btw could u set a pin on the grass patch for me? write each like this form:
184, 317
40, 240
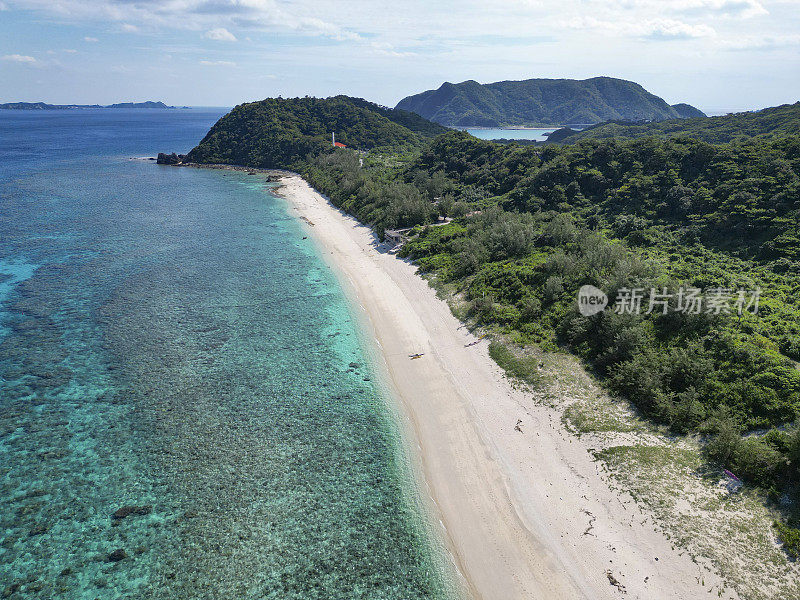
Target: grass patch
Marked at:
698, 513
597, 415
522, 368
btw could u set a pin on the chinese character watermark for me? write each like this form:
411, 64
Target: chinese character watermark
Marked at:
686, 300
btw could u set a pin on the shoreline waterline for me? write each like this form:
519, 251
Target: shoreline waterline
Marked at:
514, 507
408, 453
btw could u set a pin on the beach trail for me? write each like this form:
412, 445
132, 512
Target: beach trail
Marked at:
524, 510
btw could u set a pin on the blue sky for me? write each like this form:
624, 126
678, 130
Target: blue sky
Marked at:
714, 54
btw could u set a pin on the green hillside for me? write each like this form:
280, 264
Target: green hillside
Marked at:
283, 132
687, 111
766, 123
542, 102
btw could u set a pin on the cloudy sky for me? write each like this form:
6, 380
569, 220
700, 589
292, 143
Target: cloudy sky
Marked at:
715, 54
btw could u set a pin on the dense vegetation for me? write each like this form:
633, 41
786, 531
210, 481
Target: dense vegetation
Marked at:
284, 133
767, 123
644, 214
542, 101
532, 225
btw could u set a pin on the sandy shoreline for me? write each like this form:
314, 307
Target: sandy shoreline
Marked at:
525, 513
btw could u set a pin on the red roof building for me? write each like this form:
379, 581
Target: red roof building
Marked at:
339, 145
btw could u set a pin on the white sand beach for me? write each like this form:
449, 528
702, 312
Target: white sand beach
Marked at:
525, 513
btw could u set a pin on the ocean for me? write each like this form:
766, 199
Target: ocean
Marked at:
483, 133
187, 408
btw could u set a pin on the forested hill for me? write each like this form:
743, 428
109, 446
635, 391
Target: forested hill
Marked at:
283, 132
542, 102
767, 123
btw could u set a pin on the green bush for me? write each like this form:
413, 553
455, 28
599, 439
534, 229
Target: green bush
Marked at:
790, 538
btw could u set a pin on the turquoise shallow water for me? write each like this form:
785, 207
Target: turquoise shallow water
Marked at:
170, 342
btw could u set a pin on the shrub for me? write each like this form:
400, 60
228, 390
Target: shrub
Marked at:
756, 461
531, 309
724, 445
553, 288
790, 538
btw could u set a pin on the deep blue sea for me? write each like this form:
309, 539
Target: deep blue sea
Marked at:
170, 343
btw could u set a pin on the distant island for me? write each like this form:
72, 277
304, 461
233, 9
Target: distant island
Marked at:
543, 102
45, 106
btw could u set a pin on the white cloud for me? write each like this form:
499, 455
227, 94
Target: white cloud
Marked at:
388, 50
3, 6
220, 34
670, 29
90, 39
739, 9
743, 9
766, 42
20, 58
205, 15
218, 63
653, 29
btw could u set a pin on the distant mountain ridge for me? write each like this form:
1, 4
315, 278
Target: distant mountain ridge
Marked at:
45, 106
542, 102
766, 123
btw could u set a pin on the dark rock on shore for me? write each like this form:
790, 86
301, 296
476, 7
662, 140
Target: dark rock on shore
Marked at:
38, 529
169, 159
117, 555
127, 511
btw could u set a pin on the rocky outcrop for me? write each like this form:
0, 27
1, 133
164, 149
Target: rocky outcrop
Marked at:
117, 555
169, 159
127, 511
